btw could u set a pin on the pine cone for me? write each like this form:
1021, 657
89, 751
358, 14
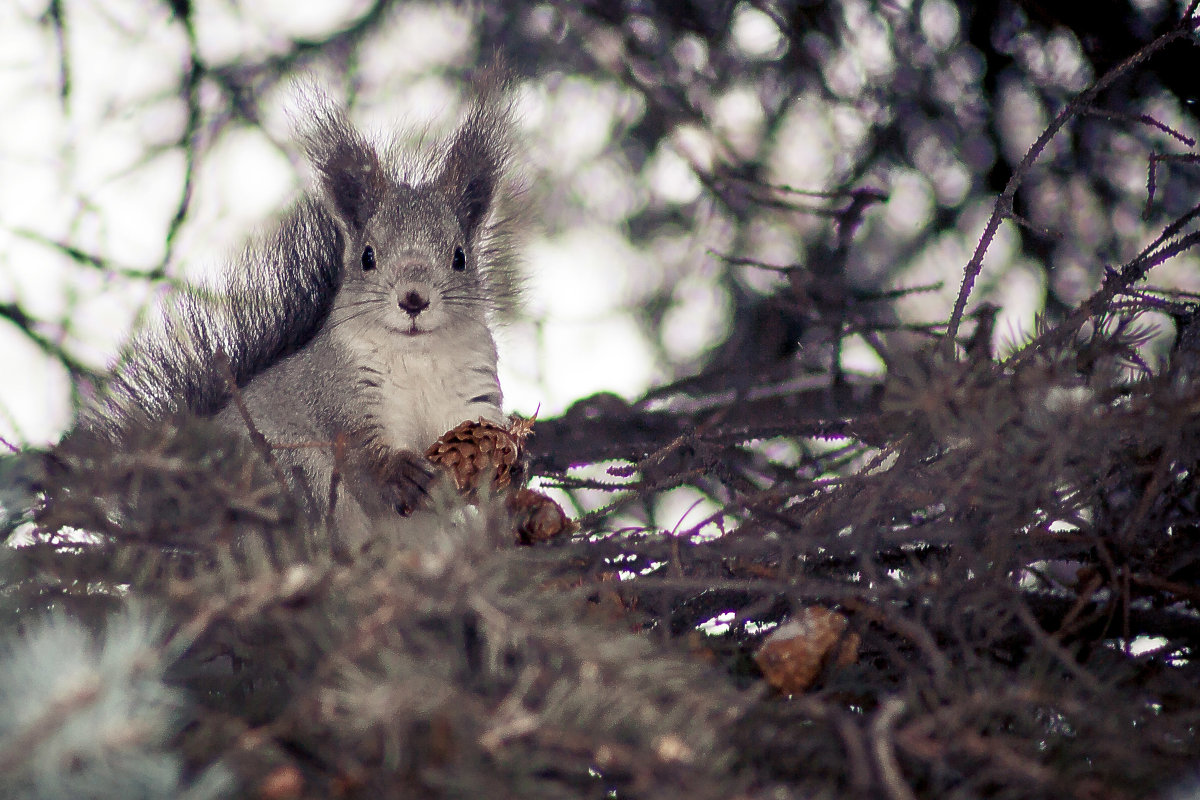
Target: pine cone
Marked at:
793, 656
538, 518
477, 452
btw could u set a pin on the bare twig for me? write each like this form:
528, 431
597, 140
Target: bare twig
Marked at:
1004, 204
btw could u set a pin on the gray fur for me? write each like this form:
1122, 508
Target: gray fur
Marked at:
325, 350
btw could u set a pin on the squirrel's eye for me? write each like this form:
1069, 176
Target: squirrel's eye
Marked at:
368, 258
460, 260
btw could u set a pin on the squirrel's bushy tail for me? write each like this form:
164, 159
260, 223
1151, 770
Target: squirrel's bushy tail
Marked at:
277, 296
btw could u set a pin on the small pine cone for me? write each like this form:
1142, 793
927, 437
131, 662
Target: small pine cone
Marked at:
282, 783
796, 652
475, 452
538, 518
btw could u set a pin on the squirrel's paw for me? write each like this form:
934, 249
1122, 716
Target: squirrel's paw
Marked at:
406, 477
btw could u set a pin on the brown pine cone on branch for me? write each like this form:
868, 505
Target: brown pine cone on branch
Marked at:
537, 518
794, 655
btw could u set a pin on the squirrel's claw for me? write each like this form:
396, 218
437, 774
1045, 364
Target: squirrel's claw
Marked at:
405, 477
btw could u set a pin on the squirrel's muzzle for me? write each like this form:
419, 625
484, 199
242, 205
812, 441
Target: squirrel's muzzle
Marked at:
414, 302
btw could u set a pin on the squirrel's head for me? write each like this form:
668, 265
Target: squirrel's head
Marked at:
427, 252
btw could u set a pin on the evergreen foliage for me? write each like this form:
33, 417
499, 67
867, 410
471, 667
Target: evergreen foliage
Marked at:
1012, 536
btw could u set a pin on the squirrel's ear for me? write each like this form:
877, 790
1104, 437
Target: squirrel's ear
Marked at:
474, 163
348, 167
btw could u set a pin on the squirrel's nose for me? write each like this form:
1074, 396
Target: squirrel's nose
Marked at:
413, 302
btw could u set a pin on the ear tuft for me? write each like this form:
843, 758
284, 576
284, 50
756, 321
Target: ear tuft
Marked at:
477, 156
349, 170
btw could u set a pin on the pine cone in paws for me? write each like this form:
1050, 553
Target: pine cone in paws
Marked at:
537, 518
478, 452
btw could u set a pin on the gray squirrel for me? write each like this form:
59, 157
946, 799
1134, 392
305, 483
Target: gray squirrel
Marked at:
360, 328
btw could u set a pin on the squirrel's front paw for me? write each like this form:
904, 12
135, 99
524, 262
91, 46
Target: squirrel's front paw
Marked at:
405, 477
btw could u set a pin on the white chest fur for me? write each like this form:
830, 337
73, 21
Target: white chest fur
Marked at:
427, 384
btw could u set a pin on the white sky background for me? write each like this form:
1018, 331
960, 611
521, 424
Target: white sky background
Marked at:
103, 175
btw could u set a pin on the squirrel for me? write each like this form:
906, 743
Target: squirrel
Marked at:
361, 327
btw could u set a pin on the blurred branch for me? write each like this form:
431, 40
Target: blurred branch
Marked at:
27, 326
1003, 207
